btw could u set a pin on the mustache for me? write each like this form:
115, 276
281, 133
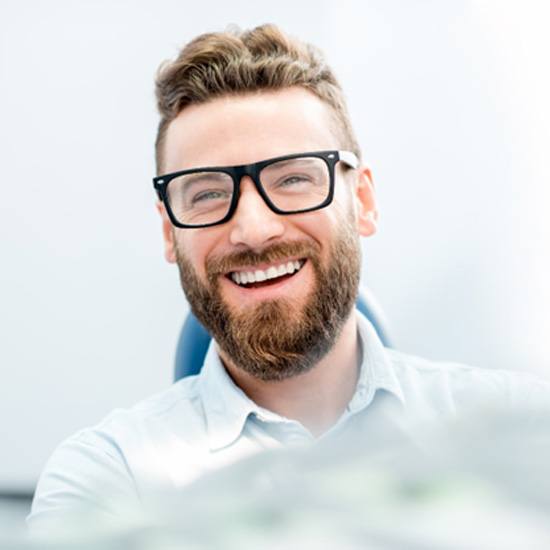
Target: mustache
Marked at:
220, 265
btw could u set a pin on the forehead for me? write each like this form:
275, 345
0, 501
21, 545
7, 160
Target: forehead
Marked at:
248, 128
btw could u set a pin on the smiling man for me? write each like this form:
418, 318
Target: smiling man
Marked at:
263, 198
267, 246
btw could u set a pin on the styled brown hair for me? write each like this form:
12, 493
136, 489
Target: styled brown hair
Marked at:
239, 62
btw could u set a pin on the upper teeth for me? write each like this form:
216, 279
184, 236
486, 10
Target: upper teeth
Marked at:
244, 277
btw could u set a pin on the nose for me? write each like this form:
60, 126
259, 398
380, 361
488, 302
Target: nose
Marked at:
253, 223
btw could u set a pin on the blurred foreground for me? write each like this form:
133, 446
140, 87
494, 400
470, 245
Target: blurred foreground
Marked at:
479, 483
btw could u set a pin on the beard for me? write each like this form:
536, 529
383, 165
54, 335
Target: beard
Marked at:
278, 339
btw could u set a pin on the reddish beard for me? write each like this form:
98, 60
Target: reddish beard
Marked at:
274, 340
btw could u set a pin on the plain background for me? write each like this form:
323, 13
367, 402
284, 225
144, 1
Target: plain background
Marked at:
449, 101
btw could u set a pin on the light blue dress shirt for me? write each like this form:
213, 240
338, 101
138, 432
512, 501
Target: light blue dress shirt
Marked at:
204, 422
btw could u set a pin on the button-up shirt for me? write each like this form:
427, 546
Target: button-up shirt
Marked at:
204, 422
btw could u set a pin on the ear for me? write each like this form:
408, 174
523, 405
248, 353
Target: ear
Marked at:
168, 234
367, 212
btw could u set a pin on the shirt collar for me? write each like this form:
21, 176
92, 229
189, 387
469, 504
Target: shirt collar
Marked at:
377, 372
227, 407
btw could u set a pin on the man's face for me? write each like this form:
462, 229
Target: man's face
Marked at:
281, 327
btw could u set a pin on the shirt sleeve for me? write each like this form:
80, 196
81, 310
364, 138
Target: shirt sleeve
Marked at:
86, 481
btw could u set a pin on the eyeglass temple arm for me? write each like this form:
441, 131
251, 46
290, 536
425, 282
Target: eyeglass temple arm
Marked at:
349, 158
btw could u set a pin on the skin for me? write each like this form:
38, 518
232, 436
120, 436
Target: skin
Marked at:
248, 128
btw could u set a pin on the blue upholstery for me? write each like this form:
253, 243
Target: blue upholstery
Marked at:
194, 339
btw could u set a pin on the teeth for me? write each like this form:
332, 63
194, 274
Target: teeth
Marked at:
245, 277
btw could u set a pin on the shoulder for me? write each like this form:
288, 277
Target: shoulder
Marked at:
101, 466
125, 428
183, 397
456, 387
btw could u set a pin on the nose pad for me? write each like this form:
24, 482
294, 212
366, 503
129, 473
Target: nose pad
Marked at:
254, 224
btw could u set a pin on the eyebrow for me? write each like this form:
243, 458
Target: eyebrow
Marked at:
200, 176
283, 163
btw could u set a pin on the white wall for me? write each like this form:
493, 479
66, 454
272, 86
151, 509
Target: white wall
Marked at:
450, 103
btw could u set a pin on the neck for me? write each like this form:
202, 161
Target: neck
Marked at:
316, 398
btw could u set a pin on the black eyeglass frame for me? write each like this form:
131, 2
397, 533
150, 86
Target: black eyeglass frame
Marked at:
331, 158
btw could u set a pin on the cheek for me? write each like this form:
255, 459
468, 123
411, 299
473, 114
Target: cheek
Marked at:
346, 206
342, 211
187, 248
198, 245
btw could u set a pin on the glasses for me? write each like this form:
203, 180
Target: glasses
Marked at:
292, 184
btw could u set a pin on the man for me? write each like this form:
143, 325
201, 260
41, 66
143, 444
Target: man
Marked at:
263, 197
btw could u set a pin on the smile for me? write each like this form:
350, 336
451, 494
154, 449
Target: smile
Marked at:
271, 274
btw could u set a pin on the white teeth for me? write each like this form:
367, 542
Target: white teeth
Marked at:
245, 277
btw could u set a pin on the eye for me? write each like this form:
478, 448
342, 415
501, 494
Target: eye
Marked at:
295, 179
210, 195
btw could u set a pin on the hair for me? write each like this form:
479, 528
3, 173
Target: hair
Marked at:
237, 62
